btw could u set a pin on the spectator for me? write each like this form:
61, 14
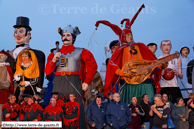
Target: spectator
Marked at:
96, 114
10, 110
39, 101
152, 103
161, 113
118, 115
33, 111
59, 101
137, 113
145, 105
53, 112
71, 113
179, 113
166, 101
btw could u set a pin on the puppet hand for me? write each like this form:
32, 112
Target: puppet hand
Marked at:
84, 86
56, 57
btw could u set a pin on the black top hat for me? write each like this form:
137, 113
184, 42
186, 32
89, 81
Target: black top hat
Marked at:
54, 93
22, 22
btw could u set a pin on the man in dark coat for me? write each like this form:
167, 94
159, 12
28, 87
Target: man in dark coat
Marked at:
145, 105
96, 114
137, 113
118, 115
22, 37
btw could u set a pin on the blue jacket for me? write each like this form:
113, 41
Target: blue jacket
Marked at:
96, 115
118, 114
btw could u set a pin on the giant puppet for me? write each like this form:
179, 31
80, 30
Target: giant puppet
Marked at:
185, 87
22, 36
70, 64
118, 65
6, 79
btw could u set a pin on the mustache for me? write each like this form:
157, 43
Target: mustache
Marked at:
65, 40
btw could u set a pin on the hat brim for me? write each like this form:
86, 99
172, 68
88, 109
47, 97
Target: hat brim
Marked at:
17, 26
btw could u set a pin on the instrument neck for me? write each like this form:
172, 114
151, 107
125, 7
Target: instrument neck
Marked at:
168, 58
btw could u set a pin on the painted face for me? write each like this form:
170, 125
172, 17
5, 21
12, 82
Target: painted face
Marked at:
98, 101
67, 39
116, 98
19, 35
26, 59
71, 97
113, 48
166, 47
55, 96
153, 48
129, 37
53, 102
134, 100
3, 57
185, 52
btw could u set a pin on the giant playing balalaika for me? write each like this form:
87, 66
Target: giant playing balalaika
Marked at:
138, 70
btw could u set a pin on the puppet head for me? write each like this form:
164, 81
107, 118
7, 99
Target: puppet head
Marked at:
125, 35
153, 47
26, 57
184, 51
22, 30
166, 46
3, 56
68, 34
114, 45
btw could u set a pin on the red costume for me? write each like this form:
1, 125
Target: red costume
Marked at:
71, 115
70, 70
59, 103
53, 113
128, 51
88, 62
22, 110
32, 112
13, 109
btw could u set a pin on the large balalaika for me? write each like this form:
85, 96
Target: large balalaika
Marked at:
138, 70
